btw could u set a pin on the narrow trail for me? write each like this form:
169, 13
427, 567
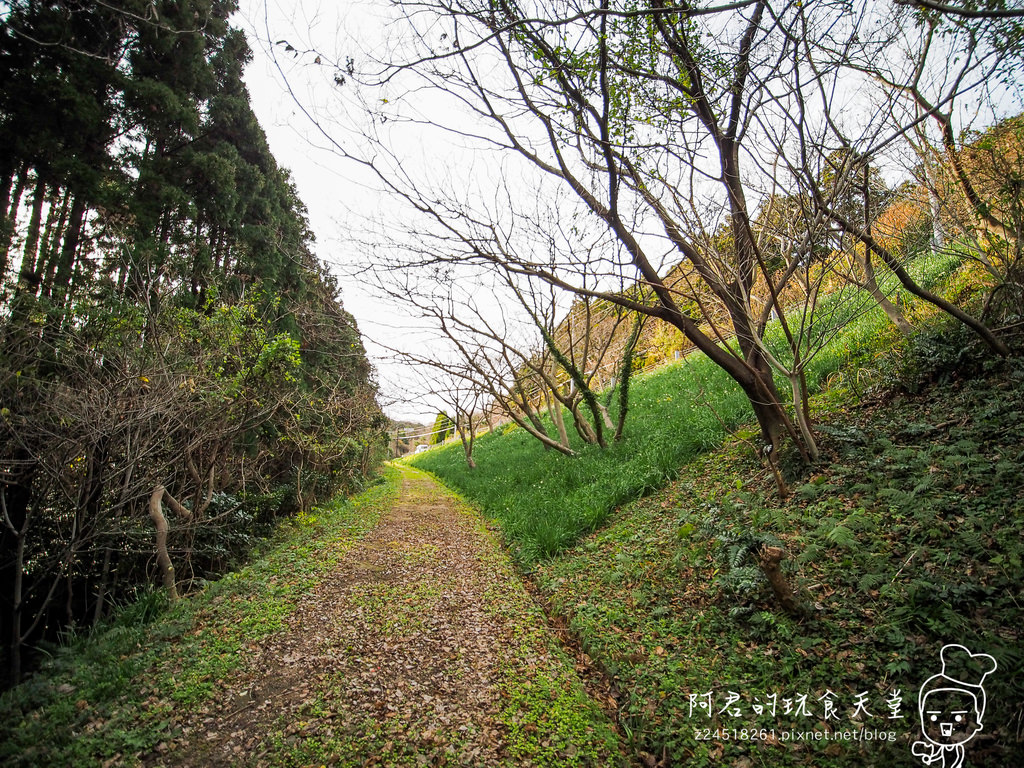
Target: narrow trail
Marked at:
420, 648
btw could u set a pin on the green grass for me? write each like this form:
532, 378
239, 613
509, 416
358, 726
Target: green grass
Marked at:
545, 501
545, 714
550, 718
110, 694
908, 537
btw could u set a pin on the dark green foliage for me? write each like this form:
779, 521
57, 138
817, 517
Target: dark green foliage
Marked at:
939, 358
163, 319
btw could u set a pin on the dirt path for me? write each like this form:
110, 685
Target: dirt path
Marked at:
420, 648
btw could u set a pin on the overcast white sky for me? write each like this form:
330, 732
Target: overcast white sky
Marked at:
288, 90
331, 188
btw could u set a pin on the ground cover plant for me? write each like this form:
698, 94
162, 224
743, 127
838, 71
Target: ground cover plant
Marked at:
903, 538
907, 538
111, 695
423, 648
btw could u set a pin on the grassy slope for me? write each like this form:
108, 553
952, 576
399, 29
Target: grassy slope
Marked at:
907, 537
545, 501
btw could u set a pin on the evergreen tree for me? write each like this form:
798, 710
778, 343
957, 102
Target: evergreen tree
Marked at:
164, 323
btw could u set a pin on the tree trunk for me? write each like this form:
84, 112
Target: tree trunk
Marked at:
539, 434
555, 411
156, 514
583, 428
6, 180
754, 376
896, 317
16, 609
938, 236
770, 559
467, 436
626, 374
51, 251
800, 409
977, 326
536, 427
62, 289
16, 518
27, 278
870, 284
911, 285
987, 221
590, 432
163, 559
101, 589
7, 225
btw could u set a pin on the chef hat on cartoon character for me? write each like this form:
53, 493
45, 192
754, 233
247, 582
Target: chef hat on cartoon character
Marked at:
963, 670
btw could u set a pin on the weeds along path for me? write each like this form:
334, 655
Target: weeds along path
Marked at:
420, 648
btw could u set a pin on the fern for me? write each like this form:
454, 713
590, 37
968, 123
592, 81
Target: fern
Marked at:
842, 536
971, 541
846, 434
863, 488
926, 482
870, 581
895, 495
857, 521
808, 491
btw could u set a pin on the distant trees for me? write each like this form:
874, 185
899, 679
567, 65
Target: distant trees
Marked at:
921, 70
163, 320
990, 164
510, 346
443, 428
466, 401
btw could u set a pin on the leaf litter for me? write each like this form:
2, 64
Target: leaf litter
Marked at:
421, 647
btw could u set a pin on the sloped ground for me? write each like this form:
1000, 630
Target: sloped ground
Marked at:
906, 537
420, 648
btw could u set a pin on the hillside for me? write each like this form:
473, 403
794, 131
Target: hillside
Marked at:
906, 538
545, 501
177, 370
903, 538
676, 650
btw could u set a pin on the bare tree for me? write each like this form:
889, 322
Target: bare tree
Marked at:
922, 70
443, 390
657, 132
565, 114
517, 347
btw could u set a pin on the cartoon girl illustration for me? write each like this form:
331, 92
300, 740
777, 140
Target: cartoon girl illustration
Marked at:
952, 705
